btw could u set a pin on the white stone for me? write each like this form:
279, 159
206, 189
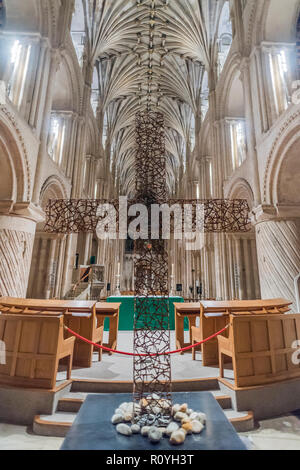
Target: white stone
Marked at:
128, 417
183, 408
155, 435
171, 428
117, 418
135, 429
156, 410
124, 406
130, 407
154, 396
124, 429
145, 430
175, 409
202, 418
198, 417
164, 404
178, 437
179, 416
197, 427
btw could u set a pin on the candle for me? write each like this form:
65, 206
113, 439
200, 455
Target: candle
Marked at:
172, 269
119, 266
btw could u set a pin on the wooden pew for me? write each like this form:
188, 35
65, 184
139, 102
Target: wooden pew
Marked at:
79, 316
261, 348
34, 345
214, 316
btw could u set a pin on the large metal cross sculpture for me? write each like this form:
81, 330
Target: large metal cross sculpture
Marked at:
152, 373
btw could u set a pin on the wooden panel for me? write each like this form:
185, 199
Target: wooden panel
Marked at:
261, 348
243, 341
33, 348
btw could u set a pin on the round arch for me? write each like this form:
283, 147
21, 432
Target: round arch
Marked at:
241, 189
289, 134
14, 175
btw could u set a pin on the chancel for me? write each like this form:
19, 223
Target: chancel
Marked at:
149, 225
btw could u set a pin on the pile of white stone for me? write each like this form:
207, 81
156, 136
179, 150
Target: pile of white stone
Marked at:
184, 421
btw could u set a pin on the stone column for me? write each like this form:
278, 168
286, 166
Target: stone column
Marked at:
49, 272
238, 268
230, 259
17, 232
278, 249
53, 67
250, 129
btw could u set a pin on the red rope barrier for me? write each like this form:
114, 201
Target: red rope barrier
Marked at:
99, 346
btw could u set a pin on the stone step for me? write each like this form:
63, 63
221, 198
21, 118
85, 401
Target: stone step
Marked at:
70, 405
73, 400
56, 425
59, 423
242, 421
102, 386
224, 401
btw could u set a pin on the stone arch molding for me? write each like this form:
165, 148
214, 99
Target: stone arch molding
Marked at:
53, 188
17, 180
287, 136
231, 71
241, 189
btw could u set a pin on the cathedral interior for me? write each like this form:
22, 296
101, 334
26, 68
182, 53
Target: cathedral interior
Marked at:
225, 76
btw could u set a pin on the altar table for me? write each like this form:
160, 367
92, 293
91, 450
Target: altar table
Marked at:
126, 315
92, 429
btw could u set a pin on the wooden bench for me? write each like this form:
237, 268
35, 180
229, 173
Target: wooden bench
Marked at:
214, 316
261, 348
33, 347
79, 316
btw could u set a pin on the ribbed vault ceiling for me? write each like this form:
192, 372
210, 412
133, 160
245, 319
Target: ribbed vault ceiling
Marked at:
150, 53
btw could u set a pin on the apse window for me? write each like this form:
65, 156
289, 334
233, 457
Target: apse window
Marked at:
18, 70
238, 143
279, 74
56, 139
224, 37
96, 191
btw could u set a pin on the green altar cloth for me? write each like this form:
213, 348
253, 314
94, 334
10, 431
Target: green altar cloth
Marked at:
127, 311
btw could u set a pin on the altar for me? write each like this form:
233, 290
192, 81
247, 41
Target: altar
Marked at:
126, 317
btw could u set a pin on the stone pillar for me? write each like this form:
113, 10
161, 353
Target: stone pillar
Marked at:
49, 272
53, 67
17, 232
278, 249
238, 268
60, 264
250, 129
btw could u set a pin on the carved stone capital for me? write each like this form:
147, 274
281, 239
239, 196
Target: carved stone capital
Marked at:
22, 209
268, 212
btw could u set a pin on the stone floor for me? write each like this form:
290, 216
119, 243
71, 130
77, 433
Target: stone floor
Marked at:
21, 438
118, 367
282, 433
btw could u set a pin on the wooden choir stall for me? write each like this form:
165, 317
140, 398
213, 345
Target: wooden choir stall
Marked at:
33, 331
